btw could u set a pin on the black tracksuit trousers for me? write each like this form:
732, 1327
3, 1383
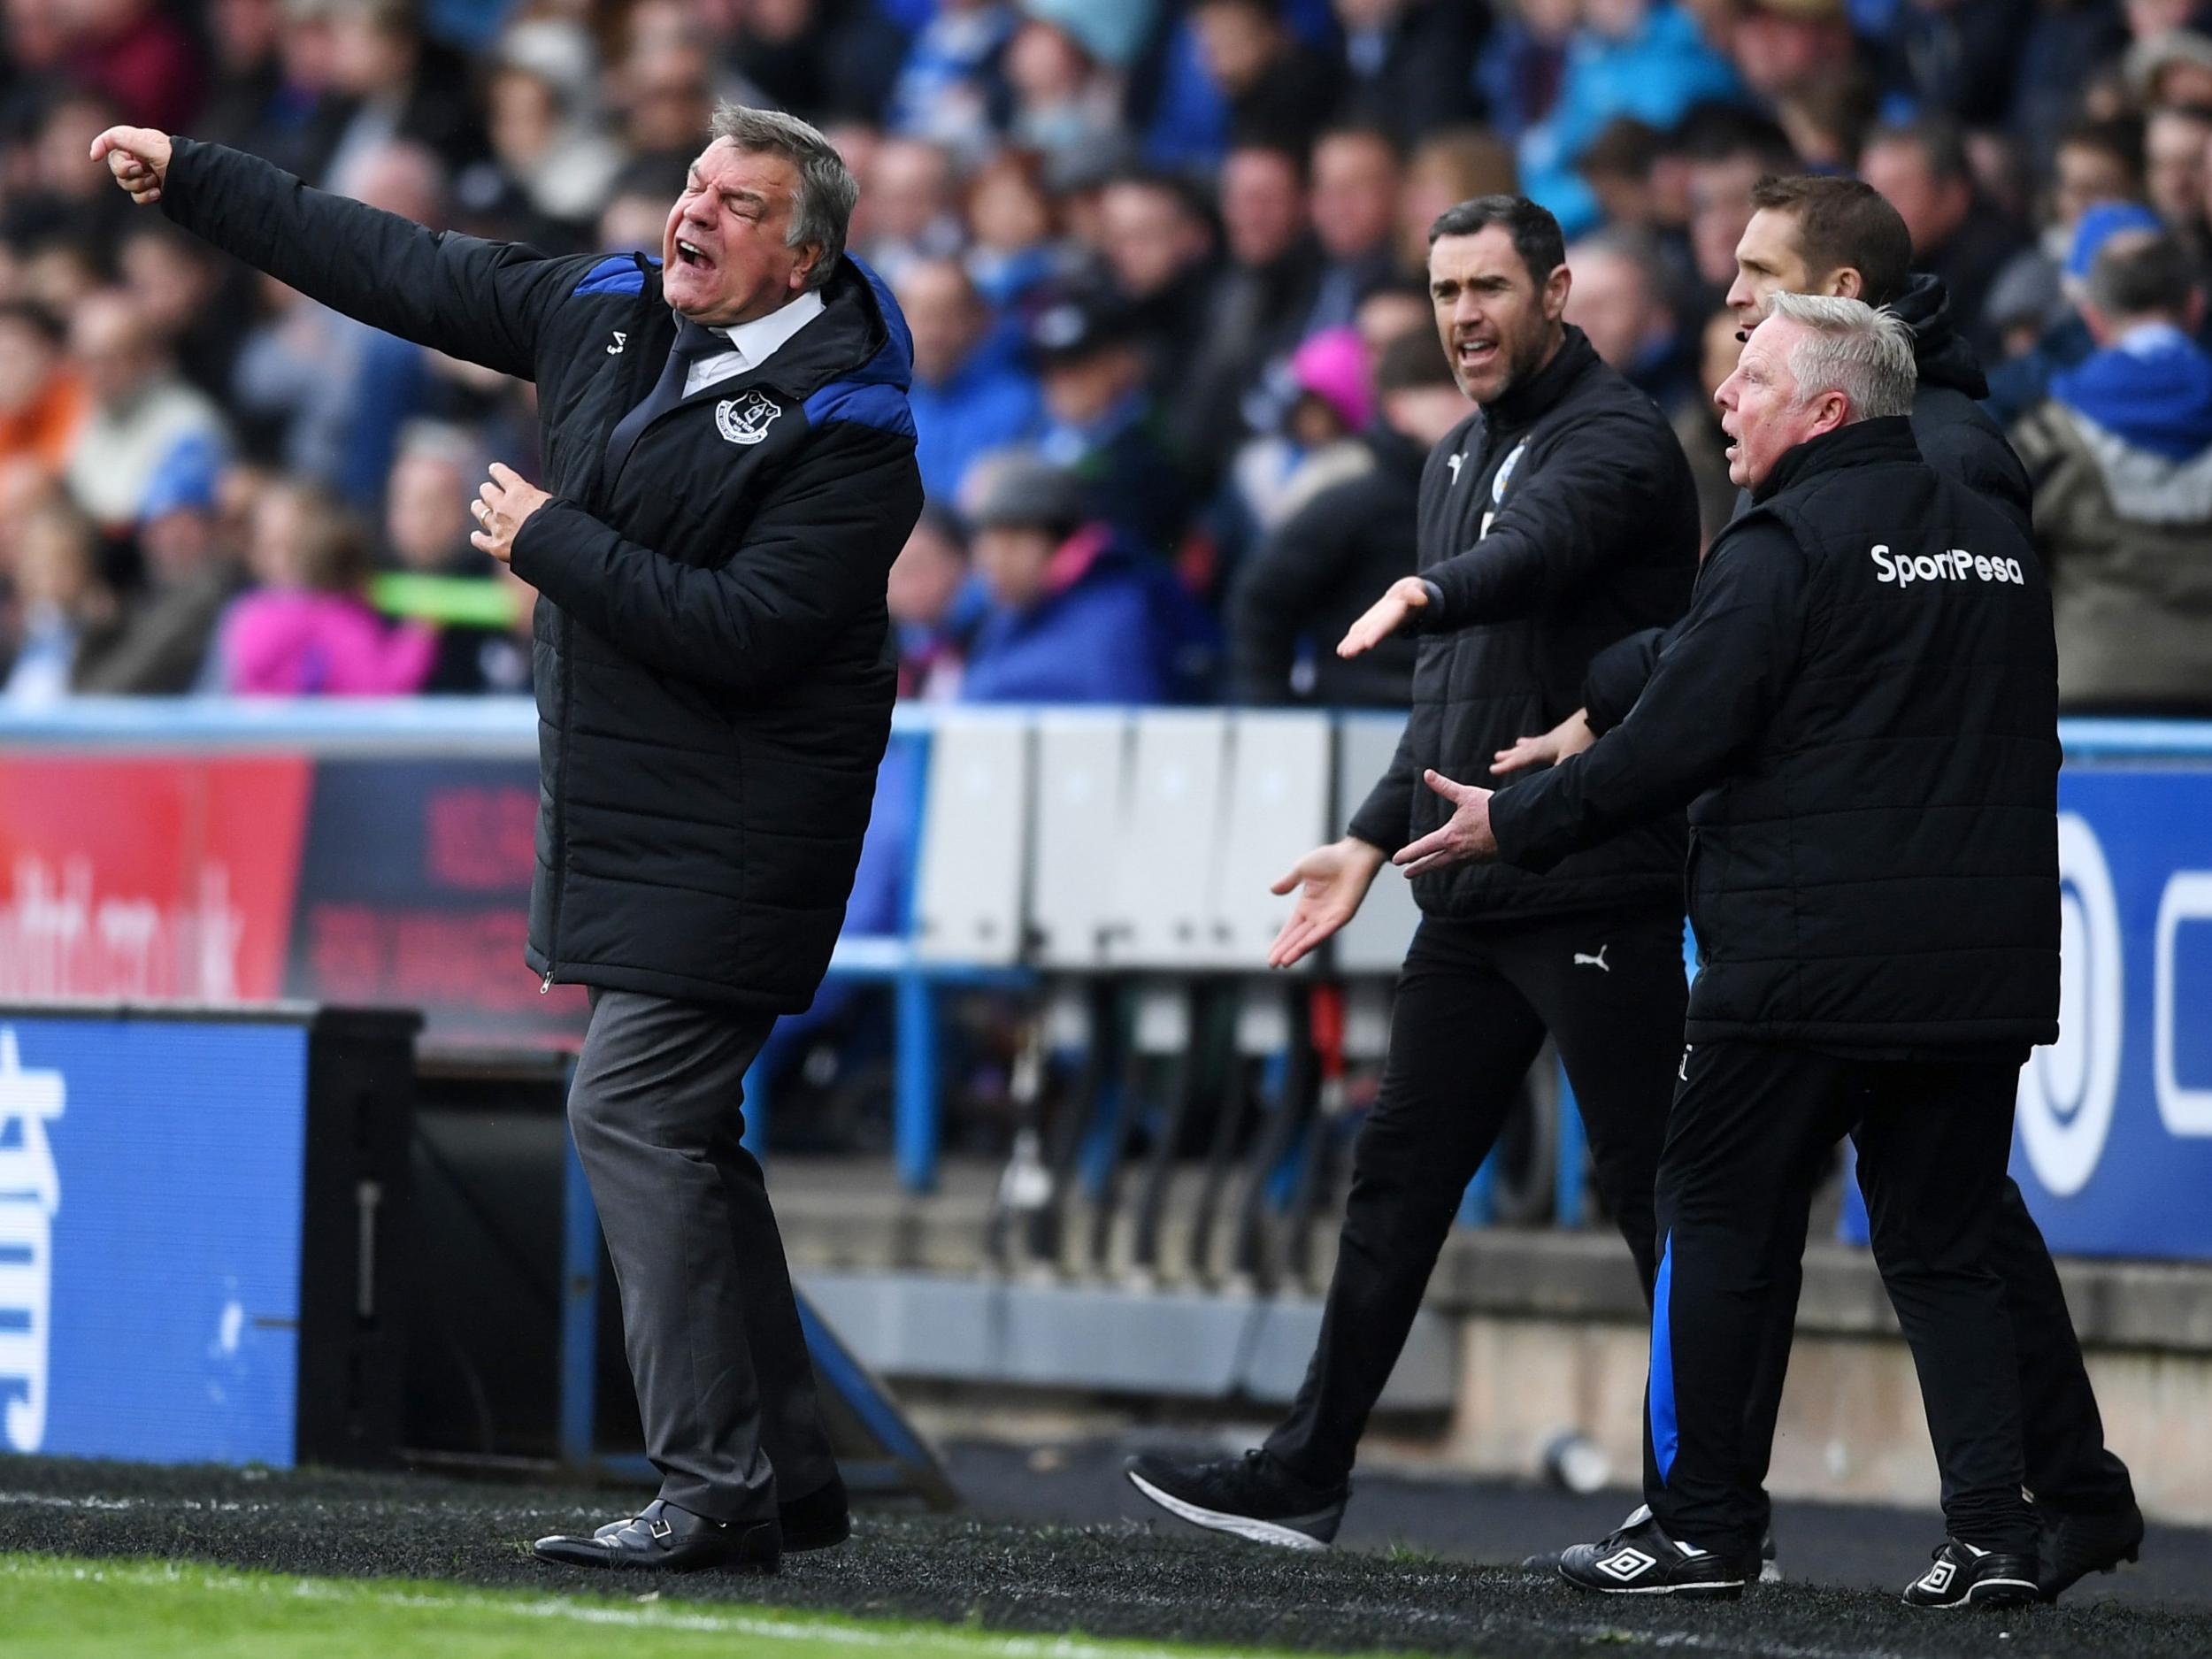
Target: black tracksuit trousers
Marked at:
1745, 1146
1474, 1001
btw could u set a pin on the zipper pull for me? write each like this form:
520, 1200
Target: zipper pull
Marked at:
546, 984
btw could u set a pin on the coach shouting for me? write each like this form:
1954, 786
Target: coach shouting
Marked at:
1861, 708
730, 471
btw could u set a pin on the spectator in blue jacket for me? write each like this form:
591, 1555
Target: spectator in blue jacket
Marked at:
1076, 615
1641, 58
971, 394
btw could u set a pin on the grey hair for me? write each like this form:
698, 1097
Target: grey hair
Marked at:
827, 191
1850, 347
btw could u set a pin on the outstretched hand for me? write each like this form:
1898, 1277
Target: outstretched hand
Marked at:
1571, 736
1384, 617
1465, 836
138, 158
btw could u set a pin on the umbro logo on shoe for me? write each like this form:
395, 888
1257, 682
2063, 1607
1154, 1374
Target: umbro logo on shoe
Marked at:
1938, 1579
1626, 1564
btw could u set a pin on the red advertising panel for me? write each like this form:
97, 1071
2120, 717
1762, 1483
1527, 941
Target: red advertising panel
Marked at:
135, 879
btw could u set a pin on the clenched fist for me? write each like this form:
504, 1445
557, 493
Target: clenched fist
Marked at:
138, 156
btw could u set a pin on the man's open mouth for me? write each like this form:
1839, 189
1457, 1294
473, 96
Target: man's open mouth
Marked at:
1473, 354
691, 254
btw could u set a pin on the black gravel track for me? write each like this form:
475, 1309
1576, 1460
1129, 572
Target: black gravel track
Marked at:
1119, 1577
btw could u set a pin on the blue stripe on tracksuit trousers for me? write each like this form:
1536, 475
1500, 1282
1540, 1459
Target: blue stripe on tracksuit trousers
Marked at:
1748, 1142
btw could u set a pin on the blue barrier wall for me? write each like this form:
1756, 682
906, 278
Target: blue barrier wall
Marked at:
150, 1191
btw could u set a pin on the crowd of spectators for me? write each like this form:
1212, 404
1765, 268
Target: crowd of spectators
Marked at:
1175, 368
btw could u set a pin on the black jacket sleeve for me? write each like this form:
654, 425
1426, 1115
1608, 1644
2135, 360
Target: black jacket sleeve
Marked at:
1586, 507
1276, 590
1715, 683
484, 302
1617, 675
814, 558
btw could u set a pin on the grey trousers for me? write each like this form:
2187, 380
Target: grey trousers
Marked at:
708, 1320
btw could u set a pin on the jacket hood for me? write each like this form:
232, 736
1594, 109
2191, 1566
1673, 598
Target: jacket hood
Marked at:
2152, 391
1940, 352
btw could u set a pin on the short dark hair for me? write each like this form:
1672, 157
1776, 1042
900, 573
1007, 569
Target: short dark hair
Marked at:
2118, 136
1413, 358
1942, 144
1843, 222
2141, 278
1624, 147
1535, 233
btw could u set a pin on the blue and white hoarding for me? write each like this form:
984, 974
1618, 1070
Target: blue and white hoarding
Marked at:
151, 1202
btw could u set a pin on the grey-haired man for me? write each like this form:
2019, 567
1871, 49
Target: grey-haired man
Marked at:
730, 469
1860, 711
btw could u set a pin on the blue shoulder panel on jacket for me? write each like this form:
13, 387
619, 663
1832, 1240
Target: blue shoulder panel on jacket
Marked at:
869, 403
616, 275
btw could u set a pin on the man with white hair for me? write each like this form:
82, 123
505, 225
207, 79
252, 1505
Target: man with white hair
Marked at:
1860, 711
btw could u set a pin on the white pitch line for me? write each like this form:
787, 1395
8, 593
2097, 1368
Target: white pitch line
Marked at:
760, 1628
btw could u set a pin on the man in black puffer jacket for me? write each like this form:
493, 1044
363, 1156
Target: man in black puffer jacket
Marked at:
1558, 517
1861, 708
731, 471
1837, 236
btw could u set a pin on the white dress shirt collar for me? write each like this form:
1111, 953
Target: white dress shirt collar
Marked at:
761, 339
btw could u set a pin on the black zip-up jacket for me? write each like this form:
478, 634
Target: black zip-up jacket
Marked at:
712, 656
1957, 436
1861, 709
1553, 524
1318, 573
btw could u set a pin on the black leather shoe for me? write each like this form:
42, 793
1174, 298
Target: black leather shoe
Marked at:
661, 1538
821, 1520
2077, 1543
1963, 1576
1640, 1559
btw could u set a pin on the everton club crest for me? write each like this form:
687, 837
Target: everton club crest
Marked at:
745, 418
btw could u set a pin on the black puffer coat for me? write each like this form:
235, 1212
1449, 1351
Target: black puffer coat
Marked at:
1559, 521
714, 664
1861, 708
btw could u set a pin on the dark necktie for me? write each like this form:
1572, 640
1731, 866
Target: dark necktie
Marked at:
693, 342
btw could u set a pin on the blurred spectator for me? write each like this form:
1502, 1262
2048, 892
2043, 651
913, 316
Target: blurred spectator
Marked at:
308, 630
969, 397
1521, 64
1101, 425
833, 58
139, 55
480, 609
1010, 219
1274, 476
1075, 614
58, 595
42, 398
2020, 385
1697, 426
1396, 308
1787, 49
1354, 206
1724, 153
335, 392
2171, 67
1619, 299
183, 290
932, 606
666, 94
426, 518
1641, 58
250, 102
1957, 236
1445, 169
1064, 100
1157, 240
140, 409
952, 88
1260, 306
1275, 87
1960, 58
1324, 565
2175, 141
1410, 64
391, 84
160, 640
1618, 167
2122, 458
913, 211
551, 166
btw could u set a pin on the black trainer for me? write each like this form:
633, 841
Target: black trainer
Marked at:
2075, 1544
1767, 1570
1963, 1576
1252, 1497
1640, 1559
